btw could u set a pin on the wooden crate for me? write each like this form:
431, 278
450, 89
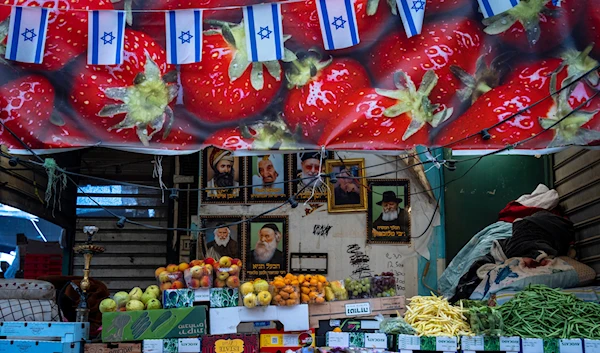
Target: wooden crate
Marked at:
112, 348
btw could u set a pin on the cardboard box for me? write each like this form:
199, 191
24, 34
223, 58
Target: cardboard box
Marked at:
274, 341
173, 345
226, 320
355, 308
230, 344
178, 298
112, 348
154, 324
224, 297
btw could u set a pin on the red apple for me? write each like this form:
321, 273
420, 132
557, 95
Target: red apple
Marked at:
194, 283
236, 262
197, 272
233, 282
209, 261
196, 263
205, 282
234, 270
166, 285
208, 269
219, 283
172, 268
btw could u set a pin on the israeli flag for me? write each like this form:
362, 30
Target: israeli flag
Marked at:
264, 33
491, 8
556, 3
27, 34
184, 36
338, 23
106, 37
412, 13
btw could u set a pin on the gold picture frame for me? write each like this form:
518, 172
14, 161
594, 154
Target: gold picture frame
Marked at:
349, 192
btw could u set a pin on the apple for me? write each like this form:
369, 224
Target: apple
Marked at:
172, 268
146, 297
234, 270
166, 285
205, 282
136, 293
177, 285
236, 262
246, 288
219, 283
210, 261
153, 289
183, 266
261, 285
193, 283
107, 305
225, 262
164, 277
196, 263
233, 282
153, 304
208, 269
250, 300
121, 298
197, 272
264, 298
159, 271
223, 275
134, 305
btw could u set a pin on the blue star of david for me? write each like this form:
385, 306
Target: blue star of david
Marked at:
108, 38
185, 37
29, 34
418, 5
338, 22
264, 32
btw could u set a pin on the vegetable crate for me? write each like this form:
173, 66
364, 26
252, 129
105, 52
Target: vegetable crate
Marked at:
26, 337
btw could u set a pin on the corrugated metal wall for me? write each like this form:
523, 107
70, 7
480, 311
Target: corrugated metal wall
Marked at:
577, 180
134, 252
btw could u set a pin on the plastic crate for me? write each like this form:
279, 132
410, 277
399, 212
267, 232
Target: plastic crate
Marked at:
43, 337
38, 265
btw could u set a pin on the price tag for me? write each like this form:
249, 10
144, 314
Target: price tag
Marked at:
570, 346
335, 323
591, 345
472, 343
189, 345
262, 323
446, 344
406, 351
510, 344
202, 295
375, 340
290, 340
338, 339
358, 309
406, 342
533, 345
153, 346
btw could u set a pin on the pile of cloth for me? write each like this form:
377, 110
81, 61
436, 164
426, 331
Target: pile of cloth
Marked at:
528, 245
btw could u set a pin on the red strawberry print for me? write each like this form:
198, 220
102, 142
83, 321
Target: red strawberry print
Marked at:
316, 90
128, 102
442, 45
153, 23
536, 25
301, 21
229, 139
226, 86
260, 135
67, 30
591, 27
435, 7
528, 84
380, 119
182, 135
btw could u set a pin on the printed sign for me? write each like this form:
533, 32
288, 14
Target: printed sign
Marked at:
406, 342
153, 346
189, 345
510, 344
447, 344
533, 345
358, 309
570, 346
591, 345
229, 346
338, 339
472, 343
202, 295
376, 340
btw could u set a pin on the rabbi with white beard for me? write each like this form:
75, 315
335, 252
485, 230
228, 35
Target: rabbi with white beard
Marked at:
222, 245
266, 250
393, 220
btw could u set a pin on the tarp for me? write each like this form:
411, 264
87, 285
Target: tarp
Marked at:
462, 75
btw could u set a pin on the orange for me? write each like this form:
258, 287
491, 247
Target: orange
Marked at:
320, 300
291, 302
284, 295
294, 295
321, 278
305, 298
313, 282
308, 277
295, 283
279, 284
320, 286
277, 298
305, 290
312, 295
301, 278
305, 284
337, 329
289, 289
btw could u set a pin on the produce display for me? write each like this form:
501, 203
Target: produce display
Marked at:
485, 321
171, 277
286, 290
542, 312
396, 326
135, 300
435, 316
255, 293
336, 291
196, 274
227, 271
383, 285
358, 288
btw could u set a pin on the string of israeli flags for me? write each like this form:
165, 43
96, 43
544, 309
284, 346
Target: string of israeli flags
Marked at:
183, 30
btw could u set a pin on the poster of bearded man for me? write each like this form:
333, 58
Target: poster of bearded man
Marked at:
308, 165
266, 247
268, 175
388, 214
347, 192
221, 175
222, 238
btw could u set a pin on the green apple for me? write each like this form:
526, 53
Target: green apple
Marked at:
134, 305
153, 289
153, 304
108, 305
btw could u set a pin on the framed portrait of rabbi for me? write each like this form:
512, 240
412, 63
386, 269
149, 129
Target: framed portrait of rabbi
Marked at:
223, 238
222, 173
266, 247
268, 175
388, 214
306, 165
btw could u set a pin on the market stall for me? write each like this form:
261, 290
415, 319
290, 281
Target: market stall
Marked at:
325, 136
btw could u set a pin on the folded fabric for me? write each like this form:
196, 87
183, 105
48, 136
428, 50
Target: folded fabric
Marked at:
479, 246
541, 197
28, 310
515, 274
26, 289
515, 210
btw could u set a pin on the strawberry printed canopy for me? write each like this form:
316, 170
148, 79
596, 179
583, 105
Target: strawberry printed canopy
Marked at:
526, 78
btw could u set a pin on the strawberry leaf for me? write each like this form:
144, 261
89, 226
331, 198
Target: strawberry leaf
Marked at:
256, 76
170, 117
238, 65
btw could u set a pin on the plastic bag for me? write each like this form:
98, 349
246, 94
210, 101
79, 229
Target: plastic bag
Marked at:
394, 325
336, 291
198, 277
486, 321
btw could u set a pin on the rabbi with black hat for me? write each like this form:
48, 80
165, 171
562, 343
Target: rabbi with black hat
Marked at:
266, 250
310, 166
393, 220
